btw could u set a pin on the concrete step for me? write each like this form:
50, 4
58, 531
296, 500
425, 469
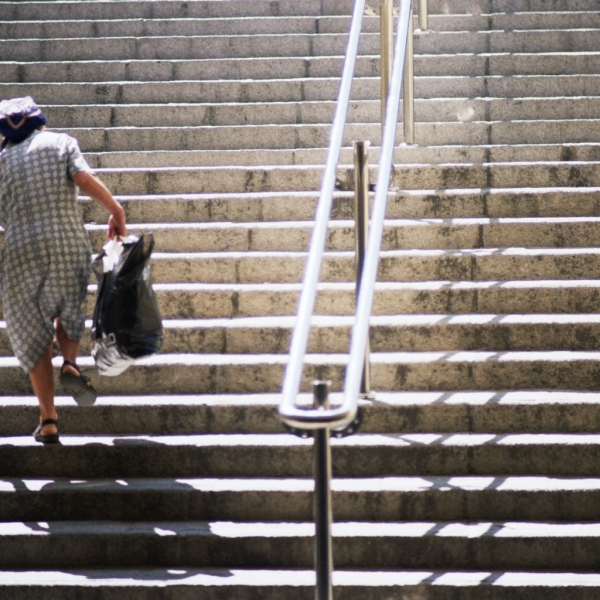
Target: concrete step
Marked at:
307, 178
408, 204
303, 89
526, 40
101, 28
492, 264
184, 47
176, 27
165, 9
275, 500
218, 584
214, 301
250, 456
252, 137
201, 301
396, 545
243, 8
390, 333
94, 71
569, 152
253, 91
488, 110
320, 44
392, 371
158, 10
538, 5
507, 412
294, 236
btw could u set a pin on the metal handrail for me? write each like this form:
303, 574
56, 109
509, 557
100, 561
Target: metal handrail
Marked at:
360, 330
342, 415
322, 419
290, 413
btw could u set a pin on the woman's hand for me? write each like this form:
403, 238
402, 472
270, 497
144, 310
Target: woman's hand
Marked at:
116, 225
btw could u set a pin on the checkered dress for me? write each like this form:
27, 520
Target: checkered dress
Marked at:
46, 255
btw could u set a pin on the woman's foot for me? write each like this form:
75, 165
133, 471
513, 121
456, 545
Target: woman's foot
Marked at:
78, 385
47, 432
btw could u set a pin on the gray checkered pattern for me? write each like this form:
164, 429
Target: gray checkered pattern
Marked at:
46, 256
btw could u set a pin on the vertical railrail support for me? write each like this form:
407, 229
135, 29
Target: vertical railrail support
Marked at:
387, 53
361, 230
322, 499
408, 97
423, 15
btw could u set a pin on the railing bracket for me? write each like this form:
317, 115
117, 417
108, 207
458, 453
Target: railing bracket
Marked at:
349, 429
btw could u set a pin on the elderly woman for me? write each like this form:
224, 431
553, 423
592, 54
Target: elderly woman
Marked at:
46, 257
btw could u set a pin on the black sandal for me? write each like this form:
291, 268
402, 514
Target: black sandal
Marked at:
78, 386
50, 438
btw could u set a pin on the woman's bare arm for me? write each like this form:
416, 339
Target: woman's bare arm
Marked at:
92, 186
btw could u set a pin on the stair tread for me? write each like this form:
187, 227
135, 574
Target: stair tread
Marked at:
284, 440
394, 530
256, 578
391, 484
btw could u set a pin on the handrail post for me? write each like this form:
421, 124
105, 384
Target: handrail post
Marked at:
423, 15
322, 499
387, 53
408, 98
361, 230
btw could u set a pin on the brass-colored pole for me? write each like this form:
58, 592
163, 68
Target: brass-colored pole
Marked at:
387, 53
423, 15
408, 97
361, 229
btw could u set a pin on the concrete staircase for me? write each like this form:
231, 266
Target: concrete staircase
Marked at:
476, 474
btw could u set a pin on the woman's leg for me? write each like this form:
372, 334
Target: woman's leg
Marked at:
79, 386
68, 348
42, 380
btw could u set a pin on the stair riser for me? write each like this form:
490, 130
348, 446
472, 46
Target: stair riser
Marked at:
508, 41
78, 551
341, 238
189, 69
245, 8
300, 45
196, 47
144, 417
316, 136
316, 156
170, 9
504, 300
268, 90
101, 28
288, 68
570, 202
307, 178
293, 90
449, 338
488, 300
297, 506
321, 113
449, 267
174, 591
496, 373
125, 460
117, 28
248, 179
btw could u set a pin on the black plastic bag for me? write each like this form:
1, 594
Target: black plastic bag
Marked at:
127, 323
